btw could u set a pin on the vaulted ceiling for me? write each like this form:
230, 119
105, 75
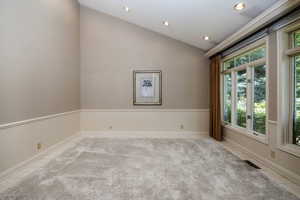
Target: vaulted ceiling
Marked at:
189, 20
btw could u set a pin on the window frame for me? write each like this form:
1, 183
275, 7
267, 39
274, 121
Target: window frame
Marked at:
285, 76
263, 138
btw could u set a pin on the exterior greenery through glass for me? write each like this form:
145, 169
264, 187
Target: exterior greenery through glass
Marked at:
296, 88
259, 101
227, 97
244, 90
241, 96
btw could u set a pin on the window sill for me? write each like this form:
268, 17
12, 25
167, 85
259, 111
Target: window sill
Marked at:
291, 149
260, 138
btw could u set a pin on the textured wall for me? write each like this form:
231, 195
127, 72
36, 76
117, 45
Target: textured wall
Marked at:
111, 49
39, 58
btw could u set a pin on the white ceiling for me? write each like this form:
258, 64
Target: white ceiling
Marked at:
189, 20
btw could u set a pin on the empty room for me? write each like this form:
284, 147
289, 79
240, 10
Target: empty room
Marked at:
150, 100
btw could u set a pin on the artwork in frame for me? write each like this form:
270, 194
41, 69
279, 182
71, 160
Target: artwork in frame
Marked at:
147, 87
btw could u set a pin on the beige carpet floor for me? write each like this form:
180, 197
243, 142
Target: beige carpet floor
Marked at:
146, 169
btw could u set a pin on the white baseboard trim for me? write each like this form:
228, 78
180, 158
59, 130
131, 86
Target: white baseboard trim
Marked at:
145, 134
144, 110
263, 162
16, 173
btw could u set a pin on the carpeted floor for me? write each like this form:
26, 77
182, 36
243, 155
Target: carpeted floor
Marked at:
147, 169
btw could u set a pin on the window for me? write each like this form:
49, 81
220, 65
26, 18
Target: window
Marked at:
295, 63
259, 99
241, 96
244, 91
227, 97
296, 90
289, 89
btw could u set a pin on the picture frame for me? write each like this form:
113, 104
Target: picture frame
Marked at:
147, 87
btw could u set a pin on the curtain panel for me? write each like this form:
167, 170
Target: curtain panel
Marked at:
215, 98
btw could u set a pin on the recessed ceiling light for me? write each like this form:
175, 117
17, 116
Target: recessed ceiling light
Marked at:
126, 8
206, 37
166, 23
239, 6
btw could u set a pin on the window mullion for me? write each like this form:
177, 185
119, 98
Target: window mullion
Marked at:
249, 98
292, 71
233, 99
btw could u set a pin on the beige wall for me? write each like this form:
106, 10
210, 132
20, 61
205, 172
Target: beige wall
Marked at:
111, 49
273, 77
281, 159
39, 58
18, 143
161, 120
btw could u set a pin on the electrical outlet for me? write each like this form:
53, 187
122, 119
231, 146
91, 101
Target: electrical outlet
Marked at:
39, 146
181, 126
273, 154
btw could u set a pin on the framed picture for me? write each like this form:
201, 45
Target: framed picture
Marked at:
147, 87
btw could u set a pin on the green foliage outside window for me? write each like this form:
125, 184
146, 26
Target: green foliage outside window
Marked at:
259, 91
227, 97
258, 54
297, 39
259, 117
229, 64
296, 138
259, 100
250, 56
240, 60
241, 117
241, 98
297, 131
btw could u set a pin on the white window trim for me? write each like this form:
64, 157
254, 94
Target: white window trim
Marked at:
244, 131
284, 91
